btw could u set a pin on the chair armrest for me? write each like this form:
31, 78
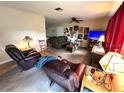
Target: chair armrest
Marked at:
28, 62
33, 54
72, 76
26, 52
80, 71
32, 58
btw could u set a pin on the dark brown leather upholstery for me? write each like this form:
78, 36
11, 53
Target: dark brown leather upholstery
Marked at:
67, 75
24, 59
58, 41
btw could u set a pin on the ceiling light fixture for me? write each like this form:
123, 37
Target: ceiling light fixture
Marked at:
58, 9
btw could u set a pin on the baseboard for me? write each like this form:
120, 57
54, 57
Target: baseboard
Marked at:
6, 61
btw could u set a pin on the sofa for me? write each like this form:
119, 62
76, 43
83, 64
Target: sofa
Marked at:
57, 42
67, 75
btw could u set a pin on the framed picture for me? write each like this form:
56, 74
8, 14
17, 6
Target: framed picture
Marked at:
81, 29
76, 28
66, 30
85, 37
86, 30
71, 28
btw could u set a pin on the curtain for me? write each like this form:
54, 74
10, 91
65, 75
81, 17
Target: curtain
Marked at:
115, 31
122, 51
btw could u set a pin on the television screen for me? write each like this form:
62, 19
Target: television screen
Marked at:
95, 34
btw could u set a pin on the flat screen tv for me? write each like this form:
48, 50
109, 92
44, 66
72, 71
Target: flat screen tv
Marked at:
95, 34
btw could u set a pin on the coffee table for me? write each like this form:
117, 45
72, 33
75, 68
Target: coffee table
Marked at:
71, 47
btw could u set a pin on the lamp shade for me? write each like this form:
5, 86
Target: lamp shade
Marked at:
27, 39
112, 62
102, 38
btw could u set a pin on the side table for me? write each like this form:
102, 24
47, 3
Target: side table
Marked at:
88, 83
95, 58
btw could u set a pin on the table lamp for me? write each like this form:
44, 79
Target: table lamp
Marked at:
99, 48
101, 39
113, 64
28, 39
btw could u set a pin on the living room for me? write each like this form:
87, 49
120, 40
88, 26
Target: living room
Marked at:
65, 46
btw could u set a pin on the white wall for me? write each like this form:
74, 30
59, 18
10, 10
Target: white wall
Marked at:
51, 31
60, 31
15, 25
55, 31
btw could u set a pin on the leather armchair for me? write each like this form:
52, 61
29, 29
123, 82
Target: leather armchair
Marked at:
67, 75
24, 59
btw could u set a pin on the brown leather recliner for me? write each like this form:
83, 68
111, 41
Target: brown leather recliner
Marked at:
67, 75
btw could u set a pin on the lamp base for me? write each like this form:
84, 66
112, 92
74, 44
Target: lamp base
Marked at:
98, 49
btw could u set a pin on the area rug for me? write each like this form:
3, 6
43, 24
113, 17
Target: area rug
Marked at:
33, 80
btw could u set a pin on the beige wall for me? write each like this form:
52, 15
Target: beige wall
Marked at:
94, 24
15, 25
97, 23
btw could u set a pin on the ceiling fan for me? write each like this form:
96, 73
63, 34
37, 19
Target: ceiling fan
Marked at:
73, 19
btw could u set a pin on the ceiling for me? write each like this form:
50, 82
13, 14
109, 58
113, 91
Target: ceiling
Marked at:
80, 9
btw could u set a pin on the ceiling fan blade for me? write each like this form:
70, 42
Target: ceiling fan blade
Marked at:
80, 20
73, 19
77, 21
